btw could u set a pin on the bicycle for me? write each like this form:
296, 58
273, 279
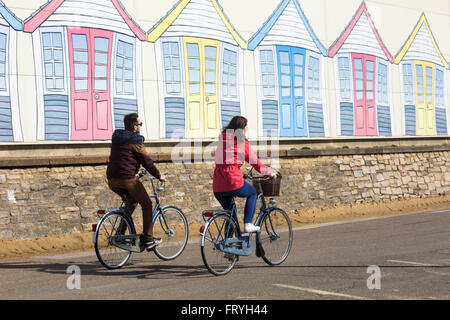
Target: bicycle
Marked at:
115, 237
222, 242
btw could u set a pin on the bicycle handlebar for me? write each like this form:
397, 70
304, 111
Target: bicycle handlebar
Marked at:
250, 177
145, 172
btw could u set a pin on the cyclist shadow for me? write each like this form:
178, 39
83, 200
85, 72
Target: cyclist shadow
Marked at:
137, 269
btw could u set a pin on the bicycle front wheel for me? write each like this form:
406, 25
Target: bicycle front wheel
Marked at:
275, 236
218, 229
172, 227
110, 256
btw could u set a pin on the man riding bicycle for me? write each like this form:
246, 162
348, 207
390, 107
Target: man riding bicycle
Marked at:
127, 155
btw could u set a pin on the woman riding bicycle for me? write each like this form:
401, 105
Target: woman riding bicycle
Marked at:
232, 151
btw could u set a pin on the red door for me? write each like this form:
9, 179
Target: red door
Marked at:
364, 68
90, 65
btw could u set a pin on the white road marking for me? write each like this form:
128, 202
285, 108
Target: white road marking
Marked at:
414, 263
321, 292
439, 211
335, 223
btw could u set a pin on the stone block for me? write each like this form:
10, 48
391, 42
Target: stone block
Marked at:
5, 220
358, 173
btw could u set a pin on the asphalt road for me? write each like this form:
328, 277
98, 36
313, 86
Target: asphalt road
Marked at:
400, 258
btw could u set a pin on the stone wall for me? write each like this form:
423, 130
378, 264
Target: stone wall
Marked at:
46, 201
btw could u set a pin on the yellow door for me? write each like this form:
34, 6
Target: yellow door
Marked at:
202, 102
425, 98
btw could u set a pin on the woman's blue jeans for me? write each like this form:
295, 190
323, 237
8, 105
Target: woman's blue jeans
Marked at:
247, 191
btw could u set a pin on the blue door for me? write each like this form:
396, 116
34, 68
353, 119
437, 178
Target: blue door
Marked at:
291, 75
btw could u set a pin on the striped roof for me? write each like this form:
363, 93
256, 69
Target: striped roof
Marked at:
361, 36
289, 26
197, 18
421, 45
103, 14
7, 17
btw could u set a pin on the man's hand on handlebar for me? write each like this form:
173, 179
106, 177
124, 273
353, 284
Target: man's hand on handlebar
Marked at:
162, 178
141, 174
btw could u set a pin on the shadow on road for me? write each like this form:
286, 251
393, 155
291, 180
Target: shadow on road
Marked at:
159, 270
129, 270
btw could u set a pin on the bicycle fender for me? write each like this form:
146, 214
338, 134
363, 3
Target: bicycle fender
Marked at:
169, 206
262, 216
259, 248
94, 237
202, 238
164, 208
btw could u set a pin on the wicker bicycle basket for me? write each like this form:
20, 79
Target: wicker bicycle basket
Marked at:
270, 188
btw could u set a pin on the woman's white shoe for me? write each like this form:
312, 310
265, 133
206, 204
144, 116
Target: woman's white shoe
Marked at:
250, 227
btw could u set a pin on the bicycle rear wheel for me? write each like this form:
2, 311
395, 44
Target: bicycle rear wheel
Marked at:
172, 227
218, 229
275, 236
110, 256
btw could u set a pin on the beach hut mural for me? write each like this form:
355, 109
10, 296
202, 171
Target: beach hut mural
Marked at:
290, 75
363, 73
10, 127
88, 64
199, 60
423, 81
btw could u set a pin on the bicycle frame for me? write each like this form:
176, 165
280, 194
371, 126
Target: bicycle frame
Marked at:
158, 210
229, 245
232, 214
263, 211
124, 209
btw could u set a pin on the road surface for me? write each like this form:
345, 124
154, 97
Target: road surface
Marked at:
400, 258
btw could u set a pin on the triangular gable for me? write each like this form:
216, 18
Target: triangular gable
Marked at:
10, 18
177, 22
353, 42
303, 29
419, 45
46, 11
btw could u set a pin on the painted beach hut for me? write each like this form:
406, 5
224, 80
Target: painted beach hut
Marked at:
290, 75
10, 127
363, 73
88, 64
199, 60
423, 80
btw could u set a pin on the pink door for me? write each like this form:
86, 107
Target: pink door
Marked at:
90, 65
364, 88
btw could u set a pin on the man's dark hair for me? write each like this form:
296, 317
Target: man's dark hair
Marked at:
130, 120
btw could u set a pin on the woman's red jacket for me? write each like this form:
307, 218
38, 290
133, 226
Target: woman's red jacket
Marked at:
231, 153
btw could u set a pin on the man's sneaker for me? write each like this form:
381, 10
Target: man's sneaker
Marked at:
250, 227
151, 243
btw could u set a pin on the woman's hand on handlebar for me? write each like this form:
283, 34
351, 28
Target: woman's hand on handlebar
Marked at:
162, 178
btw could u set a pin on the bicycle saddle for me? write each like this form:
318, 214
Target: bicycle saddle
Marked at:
121, 192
